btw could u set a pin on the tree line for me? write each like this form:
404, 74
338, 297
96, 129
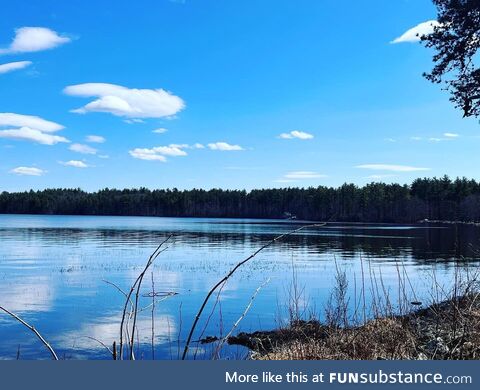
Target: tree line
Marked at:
428, 198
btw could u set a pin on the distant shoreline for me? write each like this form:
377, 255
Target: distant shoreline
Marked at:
432, 199
256, 220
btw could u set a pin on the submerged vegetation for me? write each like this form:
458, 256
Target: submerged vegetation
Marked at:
430, 198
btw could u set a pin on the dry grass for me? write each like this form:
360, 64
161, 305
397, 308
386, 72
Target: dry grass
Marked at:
448, 329
378, 339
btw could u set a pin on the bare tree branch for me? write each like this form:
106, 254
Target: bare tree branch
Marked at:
27, 325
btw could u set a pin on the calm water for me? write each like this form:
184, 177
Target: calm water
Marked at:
53, 271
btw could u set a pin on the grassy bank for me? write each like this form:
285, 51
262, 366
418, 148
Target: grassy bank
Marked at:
449, 330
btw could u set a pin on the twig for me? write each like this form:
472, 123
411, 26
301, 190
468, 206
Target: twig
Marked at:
247, 309
151, 259
137, 296
153, 318
40, 337
102, 344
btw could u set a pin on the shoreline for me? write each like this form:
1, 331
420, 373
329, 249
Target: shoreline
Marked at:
449, 330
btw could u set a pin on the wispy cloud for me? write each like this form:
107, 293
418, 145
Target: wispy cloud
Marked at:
34, 122
32, 39
75, 164
451, 135
294, 176
444, 137
160, 130
126, 102
32, 135
296, 134
392, 168
96, 139
12, 66
415, 33
28, 171
29, 128
224, 147
133, 121
84, 149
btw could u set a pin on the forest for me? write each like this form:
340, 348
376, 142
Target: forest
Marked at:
428, 198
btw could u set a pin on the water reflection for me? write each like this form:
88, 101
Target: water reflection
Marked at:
52, 271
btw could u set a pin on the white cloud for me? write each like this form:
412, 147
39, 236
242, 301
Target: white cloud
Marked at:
445, 137
451, 135
187, 146
435, 139
171, 150
296, 134
33, 122
393, 168
96, 139
303, 175
75, 164
415, 33
11, 66
31, 39
294, 176
28, 171
33, 135
224, 147
84, 149
29, 128
147, 154
132, 121
126, 102
160, 153
160, 130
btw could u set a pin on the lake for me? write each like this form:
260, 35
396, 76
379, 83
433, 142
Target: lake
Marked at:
54, 272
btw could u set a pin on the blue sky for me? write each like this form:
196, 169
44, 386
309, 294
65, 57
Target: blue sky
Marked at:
252, 94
